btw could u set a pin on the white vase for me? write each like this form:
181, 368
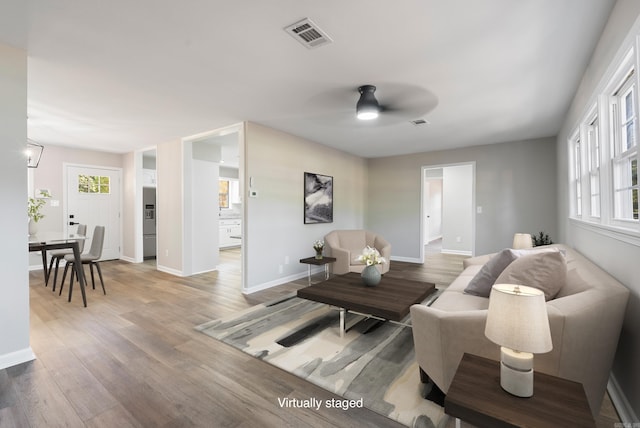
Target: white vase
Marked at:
33, 227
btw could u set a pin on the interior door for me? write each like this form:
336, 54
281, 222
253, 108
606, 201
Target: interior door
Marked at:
93, 198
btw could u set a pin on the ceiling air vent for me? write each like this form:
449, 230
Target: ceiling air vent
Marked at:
308, 33
419, 122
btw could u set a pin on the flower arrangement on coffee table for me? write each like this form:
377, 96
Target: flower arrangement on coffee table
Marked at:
371, 257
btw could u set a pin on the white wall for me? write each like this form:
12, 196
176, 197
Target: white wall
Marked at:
169, 207
14, 304
274, 221
205, 254
433, 208
131, 189
515, 185
457, 209
618, 258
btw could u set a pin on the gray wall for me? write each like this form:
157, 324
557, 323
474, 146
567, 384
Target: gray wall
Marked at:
515, 185
458, 210
618, 258
14, 303
274, 220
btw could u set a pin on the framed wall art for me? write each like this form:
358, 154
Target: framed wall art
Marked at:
318, 198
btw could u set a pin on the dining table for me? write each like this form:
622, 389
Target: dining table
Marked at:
48, 241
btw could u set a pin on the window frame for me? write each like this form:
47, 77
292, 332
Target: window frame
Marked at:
594, 163
575, 149
623, 154
598, 134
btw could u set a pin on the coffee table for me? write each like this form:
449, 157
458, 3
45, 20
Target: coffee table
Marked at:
388, 301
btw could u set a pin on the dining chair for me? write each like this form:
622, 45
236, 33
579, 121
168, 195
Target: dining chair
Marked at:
57, 255
91, 258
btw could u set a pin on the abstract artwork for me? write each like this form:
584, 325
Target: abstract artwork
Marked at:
318, 198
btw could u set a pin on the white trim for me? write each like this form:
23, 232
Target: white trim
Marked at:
620, 402
631, 237
456, 252
423, 169
275, 282
171, 271
407, 259
18, 357
129, 259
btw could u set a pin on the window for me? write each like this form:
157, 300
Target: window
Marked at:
603, 152
624, 161
93, 184
592, 131
223, 193
577, 175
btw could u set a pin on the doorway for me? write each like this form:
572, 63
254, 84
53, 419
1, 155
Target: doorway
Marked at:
148, 207
93, 198
448, 213
213, 203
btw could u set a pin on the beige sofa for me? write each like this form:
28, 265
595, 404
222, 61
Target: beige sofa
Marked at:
585, 319
347, 245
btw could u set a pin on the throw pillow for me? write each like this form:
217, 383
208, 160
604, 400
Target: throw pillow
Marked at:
544, 271
481, 283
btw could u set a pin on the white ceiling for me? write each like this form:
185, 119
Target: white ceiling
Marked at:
120, 75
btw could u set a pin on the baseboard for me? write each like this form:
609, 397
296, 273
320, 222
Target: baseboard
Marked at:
130, 259
620, 402
457, 252
171, 271
406, 259
18, 357
279, 281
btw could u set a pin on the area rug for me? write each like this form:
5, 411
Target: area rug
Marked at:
373, 365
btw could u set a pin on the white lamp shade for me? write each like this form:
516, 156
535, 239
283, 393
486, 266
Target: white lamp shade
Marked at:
517, 319
522, 240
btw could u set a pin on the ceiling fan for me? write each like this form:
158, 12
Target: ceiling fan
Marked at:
394, 103
403, 101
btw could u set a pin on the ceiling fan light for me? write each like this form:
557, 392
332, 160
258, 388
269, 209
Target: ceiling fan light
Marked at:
367, 107
367, 115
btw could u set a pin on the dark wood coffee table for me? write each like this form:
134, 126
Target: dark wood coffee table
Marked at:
388, 301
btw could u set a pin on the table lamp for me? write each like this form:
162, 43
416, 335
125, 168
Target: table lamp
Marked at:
522, 241
518, 322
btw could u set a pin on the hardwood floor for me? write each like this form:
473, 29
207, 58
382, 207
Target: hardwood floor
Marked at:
133, 358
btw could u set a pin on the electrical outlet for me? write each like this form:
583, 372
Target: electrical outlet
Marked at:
280, 270
286, 260
458, 239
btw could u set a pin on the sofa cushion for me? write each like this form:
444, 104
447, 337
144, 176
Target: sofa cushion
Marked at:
481, 283
545, 271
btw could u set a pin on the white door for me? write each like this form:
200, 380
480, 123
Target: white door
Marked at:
427, 204
93, 198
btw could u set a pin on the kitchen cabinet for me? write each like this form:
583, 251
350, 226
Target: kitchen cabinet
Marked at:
230, 232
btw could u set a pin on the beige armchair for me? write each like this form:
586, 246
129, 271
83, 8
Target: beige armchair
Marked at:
347, 245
